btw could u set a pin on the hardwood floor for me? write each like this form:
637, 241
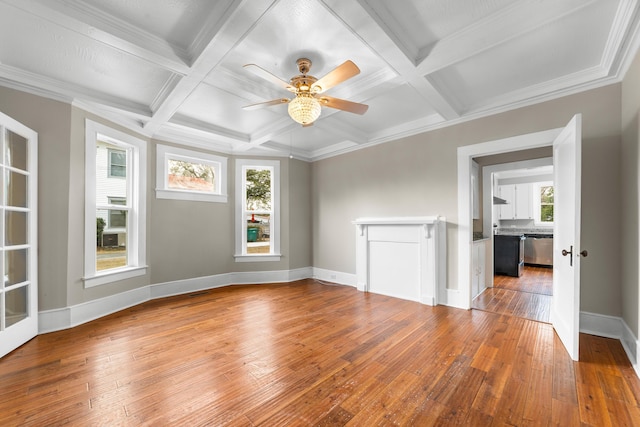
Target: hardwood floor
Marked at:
309, 353
528, 296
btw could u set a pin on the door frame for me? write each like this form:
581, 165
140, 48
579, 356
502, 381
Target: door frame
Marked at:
462, 297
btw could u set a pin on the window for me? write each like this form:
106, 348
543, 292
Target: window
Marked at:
115, 210
117, 163
257, 210
190, 175
543, 202
117, 218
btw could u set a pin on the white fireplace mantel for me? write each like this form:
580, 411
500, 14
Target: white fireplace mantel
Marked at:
403, 257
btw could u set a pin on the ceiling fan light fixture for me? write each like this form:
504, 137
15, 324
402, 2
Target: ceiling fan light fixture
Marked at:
304, 108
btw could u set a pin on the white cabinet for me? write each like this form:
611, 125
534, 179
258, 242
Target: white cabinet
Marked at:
524, 208
478, 270
519, 201
508, 193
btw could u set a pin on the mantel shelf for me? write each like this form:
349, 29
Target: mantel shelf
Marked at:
408, 220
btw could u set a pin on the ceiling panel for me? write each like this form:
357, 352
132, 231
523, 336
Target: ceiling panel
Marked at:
224, 109
176, 21
420, 24
76, 61
566, 46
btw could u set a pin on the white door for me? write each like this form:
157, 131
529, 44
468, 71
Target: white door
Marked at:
566, 235
18, 220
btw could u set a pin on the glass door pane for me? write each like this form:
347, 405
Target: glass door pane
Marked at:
15, 189
16, 150
15, 231
15, 267
16, 305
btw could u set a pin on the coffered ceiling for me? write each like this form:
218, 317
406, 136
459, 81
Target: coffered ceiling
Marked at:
173, 69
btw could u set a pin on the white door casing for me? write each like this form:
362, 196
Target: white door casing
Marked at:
565, 311
18, 234
461, 296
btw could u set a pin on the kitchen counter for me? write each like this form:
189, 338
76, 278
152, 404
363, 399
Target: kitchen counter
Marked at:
477, 235
520, 231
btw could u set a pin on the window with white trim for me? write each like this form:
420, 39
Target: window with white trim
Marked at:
257, 210
117, 163
543, 199
190, 175
115, 205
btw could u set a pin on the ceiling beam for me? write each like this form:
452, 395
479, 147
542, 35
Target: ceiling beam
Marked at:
46, 86
366, 25
239, 19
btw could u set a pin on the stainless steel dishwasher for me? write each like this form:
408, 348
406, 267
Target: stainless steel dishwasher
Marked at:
538, 249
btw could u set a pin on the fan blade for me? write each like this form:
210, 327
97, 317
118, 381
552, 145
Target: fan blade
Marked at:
339, 74
261, 72
343, 104
266, 104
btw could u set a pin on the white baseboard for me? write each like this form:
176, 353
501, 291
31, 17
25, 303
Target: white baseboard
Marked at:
452, 298
335, 277
68, 317
612, 327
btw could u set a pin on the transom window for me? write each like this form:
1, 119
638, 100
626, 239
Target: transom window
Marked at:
190, 175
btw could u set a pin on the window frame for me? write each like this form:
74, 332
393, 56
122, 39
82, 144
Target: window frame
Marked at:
111, 164
136, 203
537, 204
125, 208
164, 153
241, 212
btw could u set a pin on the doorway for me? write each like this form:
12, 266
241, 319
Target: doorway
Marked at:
566, 143
519, 282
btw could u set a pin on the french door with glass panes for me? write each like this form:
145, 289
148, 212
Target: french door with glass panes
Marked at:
18, 244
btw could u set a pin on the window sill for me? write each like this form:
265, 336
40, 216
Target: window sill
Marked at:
190, 195
114, 276
258, 258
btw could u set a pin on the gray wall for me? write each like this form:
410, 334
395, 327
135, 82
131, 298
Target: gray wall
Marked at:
52, 120
418, 176
630, 217
184, 239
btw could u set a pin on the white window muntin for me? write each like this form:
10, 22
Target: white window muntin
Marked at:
136, 204
241, 210
166, 153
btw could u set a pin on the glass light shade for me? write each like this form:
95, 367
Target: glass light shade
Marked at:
304, 108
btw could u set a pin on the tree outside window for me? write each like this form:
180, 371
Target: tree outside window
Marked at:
193, 176
546, 203
258, 189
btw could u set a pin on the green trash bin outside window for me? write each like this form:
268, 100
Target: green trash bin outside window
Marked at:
252, 234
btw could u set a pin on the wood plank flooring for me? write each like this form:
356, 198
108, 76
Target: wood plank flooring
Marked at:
528, 296
309, 353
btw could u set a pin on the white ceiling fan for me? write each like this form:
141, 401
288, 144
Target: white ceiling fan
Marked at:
305, 107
